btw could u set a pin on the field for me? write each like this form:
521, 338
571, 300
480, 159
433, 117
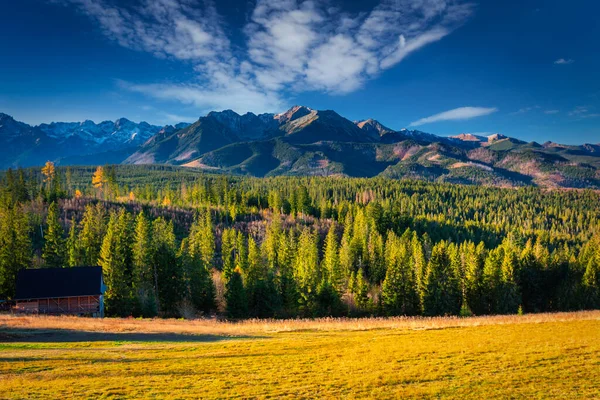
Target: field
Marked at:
531, 356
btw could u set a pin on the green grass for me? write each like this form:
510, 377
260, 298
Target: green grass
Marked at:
556, 359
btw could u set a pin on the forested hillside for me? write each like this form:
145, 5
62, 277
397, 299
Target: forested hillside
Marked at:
181, 242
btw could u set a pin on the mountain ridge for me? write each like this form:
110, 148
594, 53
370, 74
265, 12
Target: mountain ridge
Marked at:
304, 141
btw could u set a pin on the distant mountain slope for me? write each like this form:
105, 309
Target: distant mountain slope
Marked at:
70, 142
304, 141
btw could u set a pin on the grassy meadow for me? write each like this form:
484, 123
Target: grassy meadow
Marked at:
531, 356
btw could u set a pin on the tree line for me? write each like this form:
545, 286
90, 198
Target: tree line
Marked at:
287, 247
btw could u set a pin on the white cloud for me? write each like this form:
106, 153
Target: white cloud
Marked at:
551, 112
456, 114
563, 61
289, 46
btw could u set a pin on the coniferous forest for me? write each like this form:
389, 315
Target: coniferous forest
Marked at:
178, 242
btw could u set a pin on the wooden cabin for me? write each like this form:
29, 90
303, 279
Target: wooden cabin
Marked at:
61, 291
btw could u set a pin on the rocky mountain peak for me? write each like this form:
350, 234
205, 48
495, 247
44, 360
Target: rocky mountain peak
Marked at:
293, 113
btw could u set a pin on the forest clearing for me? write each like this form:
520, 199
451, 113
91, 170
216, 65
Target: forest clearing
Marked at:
529, 356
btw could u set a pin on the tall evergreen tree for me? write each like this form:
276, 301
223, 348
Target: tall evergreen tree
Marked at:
54, 243
91, 234
228, 250
442, 293
114, 268
331, 261
510, 298
591, 278
73, 249
237, 302
15, 247
399, 289
197, 264
167, 270
306, 264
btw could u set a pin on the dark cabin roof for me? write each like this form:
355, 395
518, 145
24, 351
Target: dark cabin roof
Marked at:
47, 283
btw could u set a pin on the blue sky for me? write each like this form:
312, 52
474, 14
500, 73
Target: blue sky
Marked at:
527, 68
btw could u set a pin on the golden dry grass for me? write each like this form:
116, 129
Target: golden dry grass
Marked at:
532, 356
262, 326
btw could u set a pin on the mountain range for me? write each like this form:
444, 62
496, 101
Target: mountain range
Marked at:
303, 141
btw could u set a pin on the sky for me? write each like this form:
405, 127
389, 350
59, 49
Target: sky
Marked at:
523, 68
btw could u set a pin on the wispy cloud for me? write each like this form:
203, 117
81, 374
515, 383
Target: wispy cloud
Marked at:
462, 113
564, 61
551, 112
525, 110
289, 46
583, 112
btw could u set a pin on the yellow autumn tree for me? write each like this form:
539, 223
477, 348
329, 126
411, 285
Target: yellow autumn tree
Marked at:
78, 194
131, 196
98, 179
49, 171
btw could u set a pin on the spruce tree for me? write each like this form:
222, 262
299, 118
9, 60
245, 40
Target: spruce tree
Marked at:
399, 289
91, 234
118, 293
473, 287
361, 291
306, 264
228, 250
331, 261
15, 247
73, 250
54, 243
235, 296
591, 280
168, 273
142, 271
442, 291
510, 298
197, 264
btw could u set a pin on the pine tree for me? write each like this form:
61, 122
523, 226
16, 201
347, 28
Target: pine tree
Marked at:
15, 248
331, 261
237, 303
167, 269
361, 291
306, 264
591, 278
91, 234
271, 242
399, 289
263, 300
419, 268
286, 284
377, 258
73, 250
118, 292
197, 264
442, 292
228, 250
54, 244
510, 298
473, 287
141, 254
327, 301
492, 280
206, 240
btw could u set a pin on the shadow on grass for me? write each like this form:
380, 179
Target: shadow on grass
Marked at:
9, 335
